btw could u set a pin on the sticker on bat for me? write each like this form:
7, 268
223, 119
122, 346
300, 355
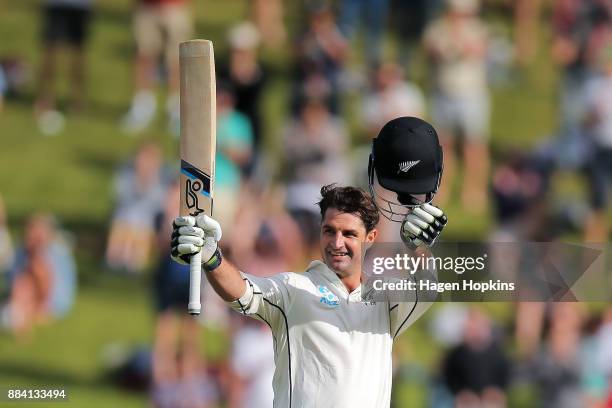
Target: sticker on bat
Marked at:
191, 197
197, 182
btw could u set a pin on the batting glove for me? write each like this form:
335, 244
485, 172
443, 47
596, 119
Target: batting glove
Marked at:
191, 235
422, 226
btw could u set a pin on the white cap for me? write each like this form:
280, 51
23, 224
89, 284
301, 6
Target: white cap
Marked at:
464, 6
243, 36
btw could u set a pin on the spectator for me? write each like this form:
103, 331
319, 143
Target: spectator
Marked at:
43, 279
269, 239
521, 189
579, 31
16, 73
409, 19
252, 366
604, 351
63, 290
247, 78
321, 52
6, 244
300, 202
3, 88
139, 189
159, 27
521, 207
477, 371
268, 17
391, 97
598, 121
7, 255
595, 358
556, 368
447, 324
315, 146
520, 184
373, 14
65, 22
234, 152
526, 22
456, 44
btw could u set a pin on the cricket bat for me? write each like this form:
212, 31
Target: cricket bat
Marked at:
198, 141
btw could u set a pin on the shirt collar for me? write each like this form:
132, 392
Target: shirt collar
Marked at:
322, 269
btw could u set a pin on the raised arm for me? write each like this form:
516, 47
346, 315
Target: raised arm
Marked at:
264, 299
418, 232
192, 234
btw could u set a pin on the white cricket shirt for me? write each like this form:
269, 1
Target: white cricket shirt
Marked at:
330, 348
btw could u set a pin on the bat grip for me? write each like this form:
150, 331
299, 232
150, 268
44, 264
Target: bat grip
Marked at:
195, 277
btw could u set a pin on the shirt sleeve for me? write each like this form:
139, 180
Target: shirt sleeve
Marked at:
403, 314
265, 299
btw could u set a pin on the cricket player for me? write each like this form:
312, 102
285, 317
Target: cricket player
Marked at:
331, 349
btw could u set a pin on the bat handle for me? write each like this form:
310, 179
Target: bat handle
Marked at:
195, 277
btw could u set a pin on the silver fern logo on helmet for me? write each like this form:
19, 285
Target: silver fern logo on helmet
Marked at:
407, 165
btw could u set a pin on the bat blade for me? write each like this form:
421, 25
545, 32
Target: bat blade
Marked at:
198, 142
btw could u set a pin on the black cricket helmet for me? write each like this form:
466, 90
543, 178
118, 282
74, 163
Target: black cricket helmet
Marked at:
405, 166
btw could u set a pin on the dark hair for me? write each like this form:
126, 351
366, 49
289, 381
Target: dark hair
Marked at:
350, 200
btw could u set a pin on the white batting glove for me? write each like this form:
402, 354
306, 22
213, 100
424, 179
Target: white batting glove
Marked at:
191, 235
422, 226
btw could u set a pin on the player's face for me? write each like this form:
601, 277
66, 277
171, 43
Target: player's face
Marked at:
342, 237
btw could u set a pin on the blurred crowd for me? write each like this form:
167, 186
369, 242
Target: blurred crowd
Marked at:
338, 68
39, 276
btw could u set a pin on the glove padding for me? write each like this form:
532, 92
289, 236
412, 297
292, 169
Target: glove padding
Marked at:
422, 226
191, 235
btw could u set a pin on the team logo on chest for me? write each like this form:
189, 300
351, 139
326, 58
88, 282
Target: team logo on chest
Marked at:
327, 297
